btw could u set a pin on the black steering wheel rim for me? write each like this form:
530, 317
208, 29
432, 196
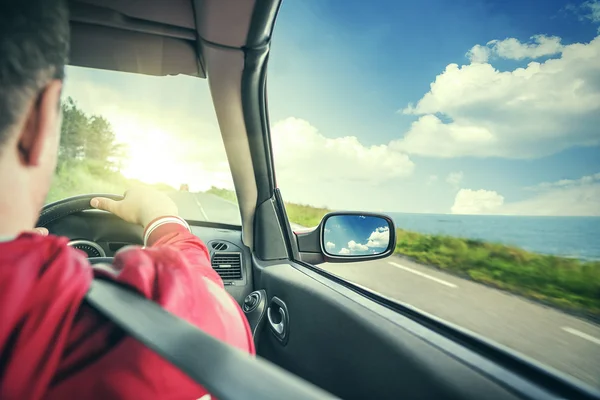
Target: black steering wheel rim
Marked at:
61, 208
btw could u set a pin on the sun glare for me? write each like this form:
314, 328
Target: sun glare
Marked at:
155, 156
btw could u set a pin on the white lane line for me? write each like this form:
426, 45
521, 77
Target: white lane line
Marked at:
442, 282
201, 209
581, 334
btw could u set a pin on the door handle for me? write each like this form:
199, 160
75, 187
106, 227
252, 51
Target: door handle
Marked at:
279, 328
279, 319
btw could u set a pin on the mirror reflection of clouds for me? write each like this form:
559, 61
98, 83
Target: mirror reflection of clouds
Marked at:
348, 235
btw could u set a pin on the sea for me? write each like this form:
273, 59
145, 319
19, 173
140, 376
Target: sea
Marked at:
576, 237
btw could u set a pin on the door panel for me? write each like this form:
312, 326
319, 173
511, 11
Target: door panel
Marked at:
347, 346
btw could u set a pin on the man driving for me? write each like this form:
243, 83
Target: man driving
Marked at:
52, 345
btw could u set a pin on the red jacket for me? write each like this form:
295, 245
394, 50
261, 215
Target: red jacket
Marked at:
54, 347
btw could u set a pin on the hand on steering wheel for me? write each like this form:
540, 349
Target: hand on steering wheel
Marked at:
38, 231
139, 206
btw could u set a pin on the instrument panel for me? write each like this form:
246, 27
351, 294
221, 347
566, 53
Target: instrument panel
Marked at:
92, 249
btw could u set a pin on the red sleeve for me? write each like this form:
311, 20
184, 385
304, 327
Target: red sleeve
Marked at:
101, 362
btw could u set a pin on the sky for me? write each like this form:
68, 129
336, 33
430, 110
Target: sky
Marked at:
465, 107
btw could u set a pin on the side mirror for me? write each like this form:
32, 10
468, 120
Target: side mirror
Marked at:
344, 237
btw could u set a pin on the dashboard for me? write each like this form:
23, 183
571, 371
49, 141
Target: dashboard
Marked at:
101, 234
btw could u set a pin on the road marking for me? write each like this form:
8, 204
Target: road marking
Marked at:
442, 282
222, 199
581, 334
201, 209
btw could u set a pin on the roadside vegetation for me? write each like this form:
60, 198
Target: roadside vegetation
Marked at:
300, 214
566, 283
226, 194
305, 215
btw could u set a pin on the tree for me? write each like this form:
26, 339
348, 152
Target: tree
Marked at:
73, 131
89, 140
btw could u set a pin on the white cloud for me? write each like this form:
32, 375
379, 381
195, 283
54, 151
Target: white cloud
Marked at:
330, 245
593, 10
353, 246
300, 149
455, 178
480, 201
584, 180
380, 237
479, 54
477, 110
432, 179
573, 200
588, 10
336, 170
566, 197
513, 49
344, 251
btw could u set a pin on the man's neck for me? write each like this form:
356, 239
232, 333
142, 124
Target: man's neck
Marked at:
13, 222
17, 209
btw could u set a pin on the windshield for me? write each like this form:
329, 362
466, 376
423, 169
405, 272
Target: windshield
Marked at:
121, 129
474, 125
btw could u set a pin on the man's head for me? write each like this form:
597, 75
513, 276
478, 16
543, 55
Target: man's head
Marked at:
34, 44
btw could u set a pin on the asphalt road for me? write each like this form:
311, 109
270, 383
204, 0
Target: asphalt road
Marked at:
566, 343
561, 341
206, 207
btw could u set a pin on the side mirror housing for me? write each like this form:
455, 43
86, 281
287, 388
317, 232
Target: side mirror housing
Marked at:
344, 237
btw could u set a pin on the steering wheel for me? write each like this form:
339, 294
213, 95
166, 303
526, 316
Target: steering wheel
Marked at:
61, 208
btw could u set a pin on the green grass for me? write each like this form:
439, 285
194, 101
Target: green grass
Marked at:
300, 214
305, 215
566, 283
223, 193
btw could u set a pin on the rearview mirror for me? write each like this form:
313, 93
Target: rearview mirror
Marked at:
348, 237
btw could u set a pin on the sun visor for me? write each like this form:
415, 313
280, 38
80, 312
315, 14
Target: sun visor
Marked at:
173, 13
119, 50
106, 38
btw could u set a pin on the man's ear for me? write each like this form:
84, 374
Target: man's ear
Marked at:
40, 124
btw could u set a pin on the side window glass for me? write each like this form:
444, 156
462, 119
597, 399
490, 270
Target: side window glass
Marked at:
474, 125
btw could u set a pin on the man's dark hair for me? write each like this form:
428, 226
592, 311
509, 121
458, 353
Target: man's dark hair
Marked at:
34, 45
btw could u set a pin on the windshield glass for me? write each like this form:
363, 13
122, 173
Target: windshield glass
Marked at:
121, 129
474, 125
